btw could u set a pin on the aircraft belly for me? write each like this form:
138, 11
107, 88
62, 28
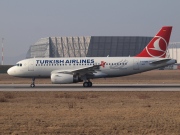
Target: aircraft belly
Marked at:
117, 72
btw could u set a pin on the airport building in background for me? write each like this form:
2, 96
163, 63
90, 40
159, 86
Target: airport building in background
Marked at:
87, 46
95, 46
174, 51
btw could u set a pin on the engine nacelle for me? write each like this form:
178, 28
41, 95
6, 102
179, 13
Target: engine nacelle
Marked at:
61, 78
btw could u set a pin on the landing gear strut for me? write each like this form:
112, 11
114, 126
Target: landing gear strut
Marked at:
87, 84
33, 83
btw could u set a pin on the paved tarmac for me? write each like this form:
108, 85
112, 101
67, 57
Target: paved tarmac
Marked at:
95, 87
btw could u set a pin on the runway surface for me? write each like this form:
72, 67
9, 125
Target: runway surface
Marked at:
96, 87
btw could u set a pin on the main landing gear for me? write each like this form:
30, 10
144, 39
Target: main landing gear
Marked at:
33, 83
87, 84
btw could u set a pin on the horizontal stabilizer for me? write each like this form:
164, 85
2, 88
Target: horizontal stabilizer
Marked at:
160, 61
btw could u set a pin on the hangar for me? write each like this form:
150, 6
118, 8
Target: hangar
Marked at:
88, 46
174, 51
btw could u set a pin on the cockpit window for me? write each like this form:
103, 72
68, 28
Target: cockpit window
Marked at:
19, 64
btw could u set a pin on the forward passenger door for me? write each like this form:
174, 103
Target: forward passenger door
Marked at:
31, 65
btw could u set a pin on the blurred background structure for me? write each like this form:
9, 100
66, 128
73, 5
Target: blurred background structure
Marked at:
88, 46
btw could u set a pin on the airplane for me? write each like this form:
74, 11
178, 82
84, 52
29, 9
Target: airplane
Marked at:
83, 69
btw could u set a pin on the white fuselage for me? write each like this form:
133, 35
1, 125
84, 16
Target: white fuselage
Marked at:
112, 67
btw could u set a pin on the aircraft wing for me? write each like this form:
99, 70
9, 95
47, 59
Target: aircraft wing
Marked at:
80, 71
160, 61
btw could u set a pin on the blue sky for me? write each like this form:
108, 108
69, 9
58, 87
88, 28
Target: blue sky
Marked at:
23, 22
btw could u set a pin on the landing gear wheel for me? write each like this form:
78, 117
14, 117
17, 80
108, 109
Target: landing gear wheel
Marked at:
32, 85
87, 84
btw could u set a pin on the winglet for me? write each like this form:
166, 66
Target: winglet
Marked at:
157, 47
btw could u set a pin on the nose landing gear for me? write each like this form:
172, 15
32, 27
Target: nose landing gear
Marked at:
33, 83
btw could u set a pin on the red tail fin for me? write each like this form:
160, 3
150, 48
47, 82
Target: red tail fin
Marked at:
157, 47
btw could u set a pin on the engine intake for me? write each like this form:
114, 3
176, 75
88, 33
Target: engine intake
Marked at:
61, 78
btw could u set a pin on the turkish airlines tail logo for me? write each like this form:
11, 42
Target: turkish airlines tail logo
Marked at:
157, 47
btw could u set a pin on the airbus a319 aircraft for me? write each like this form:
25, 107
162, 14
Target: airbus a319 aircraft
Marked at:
73, 70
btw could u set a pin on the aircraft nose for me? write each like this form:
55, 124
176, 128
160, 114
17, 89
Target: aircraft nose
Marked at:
10, 71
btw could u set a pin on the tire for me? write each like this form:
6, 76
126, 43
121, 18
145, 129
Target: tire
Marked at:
32, 85
89, 84
85, 84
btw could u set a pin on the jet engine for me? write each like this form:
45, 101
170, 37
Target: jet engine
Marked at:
61, 78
